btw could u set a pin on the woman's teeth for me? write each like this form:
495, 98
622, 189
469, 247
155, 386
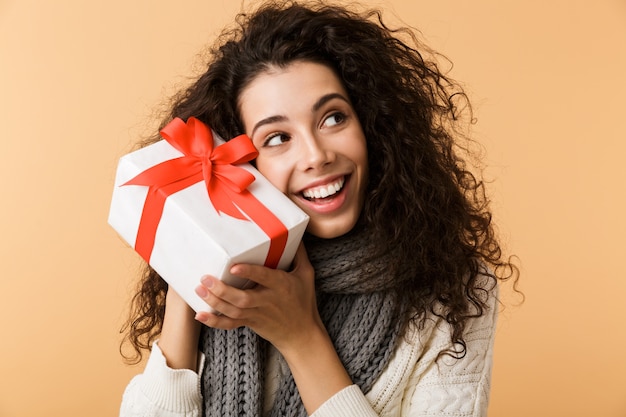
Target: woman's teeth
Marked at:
324, 191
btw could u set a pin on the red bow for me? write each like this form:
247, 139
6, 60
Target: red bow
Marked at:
226, 183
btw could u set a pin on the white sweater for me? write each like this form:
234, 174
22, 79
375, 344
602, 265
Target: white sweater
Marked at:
413, 384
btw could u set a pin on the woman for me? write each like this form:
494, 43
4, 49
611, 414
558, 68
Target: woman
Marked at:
390, 306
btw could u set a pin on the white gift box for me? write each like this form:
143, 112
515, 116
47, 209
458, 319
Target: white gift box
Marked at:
192, 239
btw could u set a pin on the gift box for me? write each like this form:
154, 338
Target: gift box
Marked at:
191, 205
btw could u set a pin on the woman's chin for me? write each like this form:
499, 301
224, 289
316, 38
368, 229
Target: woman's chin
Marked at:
329, 229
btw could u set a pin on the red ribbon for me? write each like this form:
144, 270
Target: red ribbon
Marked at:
226, 184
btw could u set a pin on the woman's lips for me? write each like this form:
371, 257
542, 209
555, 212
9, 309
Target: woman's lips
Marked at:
324, 191
325, 198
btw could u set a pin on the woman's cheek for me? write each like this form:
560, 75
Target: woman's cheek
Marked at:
271, 170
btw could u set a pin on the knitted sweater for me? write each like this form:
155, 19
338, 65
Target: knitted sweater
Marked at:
413, 384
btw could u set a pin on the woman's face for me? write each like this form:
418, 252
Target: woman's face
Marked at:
310, 142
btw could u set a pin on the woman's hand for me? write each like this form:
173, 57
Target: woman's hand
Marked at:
281, 308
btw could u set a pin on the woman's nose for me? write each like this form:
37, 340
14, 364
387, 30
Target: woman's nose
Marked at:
315, 154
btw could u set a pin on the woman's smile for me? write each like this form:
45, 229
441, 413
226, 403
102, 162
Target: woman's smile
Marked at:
326, 198
317, 192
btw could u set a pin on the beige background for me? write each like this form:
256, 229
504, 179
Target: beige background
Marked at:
78, 83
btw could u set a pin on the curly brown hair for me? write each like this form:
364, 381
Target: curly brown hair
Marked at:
422, 200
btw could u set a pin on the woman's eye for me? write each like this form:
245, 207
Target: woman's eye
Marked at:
275, 139
334, 119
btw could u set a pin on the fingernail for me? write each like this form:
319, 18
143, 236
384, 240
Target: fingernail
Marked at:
207, 281
201, 291
234, 270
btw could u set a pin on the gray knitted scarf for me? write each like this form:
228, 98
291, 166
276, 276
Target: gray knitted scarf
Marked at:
362, 317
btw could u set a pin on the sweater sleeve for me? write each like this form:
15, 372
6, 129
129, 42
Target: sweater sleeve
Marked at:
161, 391
450, 386
350, 401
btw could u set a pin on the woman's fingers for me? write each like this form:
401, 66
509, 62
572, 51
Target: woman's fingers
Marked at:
220, 297
217, 321
276, 308
272, 278
224, 298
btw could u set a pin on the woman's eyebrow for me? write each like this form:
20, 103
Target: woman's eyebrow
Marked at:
318, 104
326, 98
266, 121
